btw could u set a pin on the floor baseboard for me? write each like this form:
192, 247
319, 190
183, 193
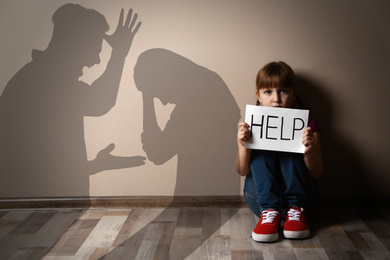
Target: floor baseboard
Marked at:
124, 202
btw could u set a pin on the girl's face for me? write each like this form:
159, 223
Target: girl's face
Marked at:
276, 97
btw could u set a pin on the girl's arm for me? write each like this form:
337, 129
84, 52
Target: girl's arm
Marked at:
313, 155
241, 163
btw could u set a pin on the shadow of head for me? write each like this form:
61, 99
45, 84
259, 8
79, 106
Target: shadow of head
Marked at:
78, 34
175, 79
312, 95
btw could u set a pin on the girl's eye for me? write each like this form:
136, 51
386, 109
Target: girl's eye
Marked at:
284, 91
268, 92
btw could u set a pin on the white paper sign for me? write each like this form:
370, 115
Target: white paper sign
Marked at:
276, 129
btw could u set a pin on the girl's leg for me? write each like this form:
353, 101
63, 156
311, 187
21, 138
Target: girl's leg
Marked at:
264, 168
296, 179
250, 195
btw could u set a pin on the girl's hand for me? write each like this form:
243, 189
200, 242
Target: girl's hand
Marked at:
308, 139
243, 134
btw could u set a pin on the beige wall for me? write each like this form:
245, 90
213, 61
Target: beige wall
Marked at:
338, 49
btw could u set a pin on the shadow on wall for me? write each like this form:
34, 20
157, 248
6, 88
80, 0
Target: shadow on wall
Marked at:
42, 108
202, 127
201, 132
344, 176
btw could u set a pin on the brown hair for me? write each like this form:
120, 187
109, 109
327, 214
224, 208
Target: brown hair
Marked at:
275, 74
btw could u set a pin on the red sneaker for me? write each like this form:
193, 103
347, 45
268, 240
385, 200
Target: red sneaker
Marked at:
295, 226
267, 228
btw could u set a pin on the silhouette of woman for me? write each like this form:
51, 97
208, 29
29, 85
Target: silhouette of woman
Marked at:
202, 125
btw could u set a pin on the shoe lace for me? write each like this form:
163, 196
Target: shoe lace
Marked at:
268, 216
294, 214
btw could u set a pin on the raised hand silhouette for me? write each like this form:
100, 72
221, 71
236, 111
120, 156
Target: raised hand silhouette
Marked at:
123, 36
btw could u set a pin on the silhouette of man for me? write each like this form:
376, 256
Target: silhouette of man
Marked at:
43, 107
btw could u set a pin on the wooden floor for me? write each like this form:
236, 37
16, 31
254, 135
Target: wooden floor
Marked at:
187, 233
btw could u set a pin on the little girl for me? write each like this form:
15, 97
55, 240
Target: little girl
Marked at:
276, 181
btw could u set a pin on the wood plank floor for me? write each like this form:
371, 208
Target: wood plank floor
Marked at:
185, 233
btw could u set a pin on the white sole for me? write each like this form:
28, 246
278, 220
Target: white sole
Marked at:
296, 234
265, 238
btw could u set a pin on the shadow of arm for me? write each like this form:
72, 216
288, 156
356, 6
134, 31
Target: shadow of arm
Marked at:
106, 161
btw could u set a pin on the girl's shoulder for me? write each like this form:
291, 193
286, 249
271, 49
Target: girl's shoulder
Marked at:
313, 125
